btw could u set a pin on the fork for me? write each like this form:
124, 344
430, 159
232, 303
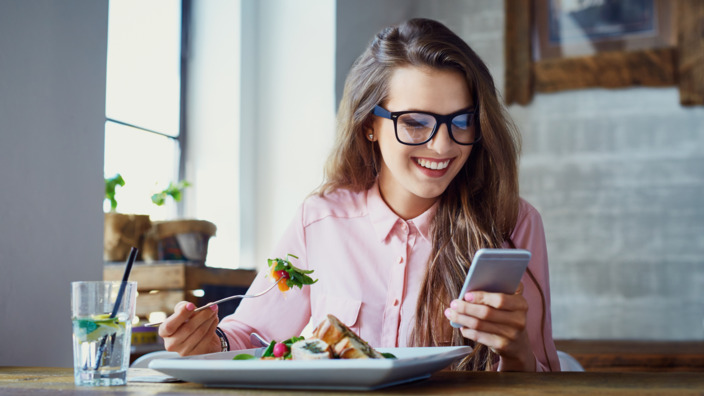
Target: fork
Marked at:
210, 304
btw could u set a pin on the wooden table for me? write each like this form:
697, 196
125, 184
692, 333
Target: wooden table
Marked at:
51, 381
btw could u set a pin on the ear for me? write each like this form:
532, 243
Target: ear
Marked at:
369, 134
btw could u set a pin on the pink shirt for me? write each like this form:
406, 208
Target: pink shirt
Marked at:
370, 264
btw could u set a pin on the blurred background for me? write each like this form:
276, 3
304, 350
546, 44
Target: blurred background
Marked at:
238, 97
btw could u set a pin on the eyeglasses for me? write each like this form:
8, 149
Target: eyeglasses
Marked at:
419, 127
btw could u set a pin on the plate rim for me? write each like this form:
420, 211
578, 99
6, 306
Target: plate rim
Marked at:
387, 372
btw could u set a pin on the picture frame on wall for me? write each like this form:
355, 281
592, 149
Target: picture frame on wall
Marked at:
638, 43
569, 28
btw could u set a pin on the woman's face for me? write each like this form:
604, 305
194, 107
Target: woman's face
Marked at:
411, 178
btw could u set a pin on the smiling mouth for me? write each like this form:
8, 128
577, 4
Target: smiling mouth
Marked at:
434, 165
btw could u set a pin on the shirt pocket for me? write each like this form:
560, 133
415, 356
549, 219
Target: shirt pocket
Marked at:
345, 309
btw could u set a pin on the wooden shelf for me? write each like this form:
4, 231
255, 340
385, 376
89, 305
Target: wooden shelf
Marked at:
635, 355
163, 284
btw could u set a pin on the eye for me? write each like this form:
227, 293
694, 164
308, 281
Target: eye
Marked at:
416, 121
462, 121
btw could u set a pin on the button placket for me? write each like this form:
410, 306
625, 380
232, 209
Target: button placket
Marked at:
392, 316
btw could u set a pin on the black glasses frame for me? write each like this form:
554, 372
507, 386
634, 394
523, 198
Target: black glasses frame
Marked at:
439, 119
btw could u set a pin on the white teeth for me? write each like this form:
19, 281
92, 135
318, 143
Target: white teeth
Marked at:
433, 164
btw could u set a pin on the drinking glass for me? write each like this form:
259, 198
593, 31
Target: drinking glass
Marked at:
102, 333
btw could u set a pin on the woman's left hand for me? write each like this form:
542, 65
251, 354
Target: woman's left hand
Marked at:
498, 321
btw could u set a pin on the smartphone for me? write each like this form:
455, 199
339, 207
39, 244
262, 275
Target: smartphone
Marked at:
495, 271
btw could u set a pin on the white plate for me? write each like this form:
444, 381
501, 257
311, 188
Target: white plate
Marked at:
219, 370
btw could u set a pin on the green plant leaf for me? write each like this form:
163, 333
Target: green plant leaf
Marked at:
175, 191
111, 184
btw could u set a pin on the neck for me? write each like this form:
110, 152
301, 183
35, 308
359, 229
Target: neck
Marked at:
406, 205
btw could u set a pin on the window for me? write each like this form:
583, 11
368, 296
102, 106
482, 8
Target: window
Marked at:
143, 102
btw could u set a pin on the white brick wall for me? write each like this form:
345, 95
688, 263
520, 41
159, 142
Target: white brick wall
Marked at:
618, 176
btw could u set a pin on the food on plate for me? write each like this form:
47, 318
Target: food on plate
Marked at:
312, 349
294, 276
345, 343
331, 339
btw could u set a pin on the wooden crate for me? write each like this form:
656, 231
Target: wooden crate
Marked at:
163, 284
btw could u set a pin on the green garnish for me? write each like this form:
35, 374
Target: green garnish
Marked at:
296, 276
269, 352
388, 355
243, 356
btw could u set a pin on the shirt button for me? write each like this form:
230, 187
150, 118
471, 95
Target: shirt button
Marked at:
400, 259
404, 226
396, 302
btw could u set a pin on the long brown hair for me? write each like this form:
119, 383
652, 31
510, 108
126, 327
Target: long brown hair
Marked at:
480, 206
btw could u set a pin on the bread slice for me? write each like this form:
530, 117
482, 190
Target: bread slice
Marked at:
311, 349
345, 343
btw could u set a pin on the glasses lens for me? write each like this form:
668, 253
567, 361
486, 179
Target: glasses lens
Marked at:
462, 129
414, 127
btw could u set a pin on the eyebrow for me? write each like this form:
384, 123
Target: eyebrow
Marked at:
468, 108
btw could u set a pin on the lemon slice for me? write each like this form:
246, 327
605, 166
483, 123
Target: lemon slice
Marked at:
97, 326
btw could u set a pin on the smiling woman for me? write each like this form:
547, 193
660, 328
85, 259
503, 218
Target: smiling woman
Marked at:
405, 204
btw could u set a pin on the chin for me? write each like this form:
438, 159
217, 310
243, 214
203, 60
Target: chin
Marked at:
430, 193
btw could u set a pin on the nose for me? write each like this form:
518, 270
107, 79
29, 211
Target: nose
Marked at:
441, 142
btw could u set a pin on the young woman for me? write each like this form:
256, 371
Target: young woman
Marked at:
423, 174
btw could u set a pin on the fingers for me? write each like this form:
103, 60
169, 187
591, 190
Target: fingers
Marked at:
201, 339
487, 319
188, 332
493, 319
520, 289
506, 302
182, 312
498, 321
496, 343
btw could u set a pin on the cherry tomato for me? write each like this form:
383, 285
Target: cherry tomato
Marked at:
280, 349
282, 274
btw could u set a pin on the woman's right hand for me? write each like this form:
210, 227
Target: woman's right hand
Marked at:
190, 333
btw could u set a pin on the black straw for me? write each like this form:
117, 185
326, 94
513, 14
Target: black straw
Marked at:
120, 293
125, 276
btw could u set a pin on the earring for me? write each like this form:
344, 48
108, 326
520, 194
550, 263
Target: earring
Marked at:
371, 136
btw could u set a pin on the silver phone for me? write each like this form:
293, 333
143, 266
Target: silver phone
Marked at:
495, 271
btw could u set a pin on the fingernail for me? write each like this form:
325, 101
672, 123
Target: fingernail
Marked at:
469, 297
447, 312
453, 304
190, 307
213, 307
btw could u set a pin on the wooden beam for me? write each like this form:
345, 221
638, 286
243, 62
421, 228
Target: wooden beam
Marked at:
517, 52
616, 69
690, 37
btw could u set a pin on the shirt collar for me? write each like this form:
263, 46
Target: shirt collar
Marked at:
384, 219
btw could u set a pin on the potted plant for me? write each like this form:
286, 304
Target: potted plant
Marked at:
180, 239
121, 231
